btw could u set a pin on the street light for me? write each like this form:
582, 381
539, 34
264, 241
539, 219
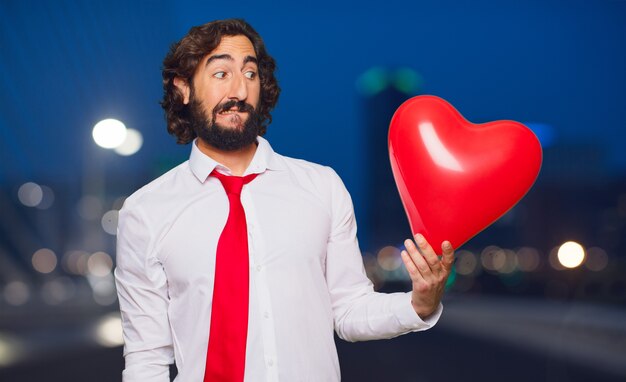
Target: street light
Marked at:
109, 133
131, 144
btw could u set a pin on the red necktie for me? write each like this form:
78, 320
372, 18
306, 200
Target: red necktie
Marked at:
226, 355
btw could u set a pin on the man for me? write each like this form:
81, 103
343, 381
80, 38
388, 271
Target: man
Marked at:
248, 284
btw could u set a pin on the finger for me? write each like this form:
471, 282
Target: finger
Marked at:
447, 258
428, 252
418, 260
415, 274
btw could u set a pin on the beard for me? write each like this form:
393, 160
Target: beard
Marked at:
243, 134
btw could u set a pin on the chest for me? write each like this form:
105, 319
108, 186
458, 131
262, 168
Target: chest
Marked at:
287, 228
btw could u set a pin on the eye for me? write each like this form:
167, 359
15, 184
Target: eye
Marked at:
250, 74
219, 75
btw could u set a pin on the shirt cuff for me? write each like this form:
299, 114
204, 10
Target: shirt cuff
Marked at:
403, 309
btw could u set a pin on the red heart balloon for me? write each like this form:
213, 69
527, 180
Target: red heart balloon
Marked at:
456, 178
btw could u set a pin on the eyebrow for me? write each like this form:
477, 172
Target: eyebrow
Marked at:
230, 58
250, 59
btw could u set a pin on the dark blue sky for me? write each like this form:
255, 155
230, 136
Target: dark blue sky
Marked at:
68, 64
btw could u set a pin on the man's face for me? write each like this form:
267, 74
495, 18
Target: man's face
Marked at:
224, 95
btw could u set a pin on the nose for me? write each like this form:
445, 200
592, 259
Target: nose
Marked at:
238, 88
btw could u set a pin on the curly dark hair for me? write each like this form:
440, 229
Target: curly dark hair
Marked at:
185, 55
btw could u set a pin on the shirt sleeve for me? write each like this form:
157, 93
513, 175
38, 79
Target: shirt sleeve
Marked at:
360, 313
143, 298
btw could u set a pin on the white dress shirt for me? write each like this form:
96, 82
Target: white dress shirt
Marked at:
306, 272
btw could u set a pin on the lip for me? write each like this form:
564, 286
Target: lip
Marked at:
227, 119
233, 112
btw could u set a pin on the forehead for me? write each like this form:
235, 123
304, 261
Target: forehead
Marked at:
236, 46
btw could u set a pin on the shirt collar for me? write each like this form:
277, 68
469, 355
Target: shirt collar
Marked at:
264, 159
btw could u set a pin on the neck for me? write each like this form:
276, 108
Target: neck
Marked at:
237, 160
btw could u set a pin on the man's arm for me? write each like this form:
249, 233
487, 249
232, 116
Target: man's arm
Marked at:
142, 291
360, 313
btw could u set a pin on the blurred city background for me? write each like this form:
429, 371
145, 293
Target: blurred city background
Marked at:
540, 295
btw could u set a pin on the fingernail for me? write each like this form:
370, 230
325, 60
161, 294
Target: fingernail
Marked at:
419, 238
447, 245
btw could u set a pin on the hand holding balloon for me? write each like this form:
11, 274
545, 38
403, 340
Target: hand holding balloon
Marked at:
428, 273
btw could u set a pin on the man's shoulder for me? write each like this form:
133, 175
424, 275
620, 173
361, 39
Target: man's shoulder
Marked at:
157, 188
308, 168
320, 180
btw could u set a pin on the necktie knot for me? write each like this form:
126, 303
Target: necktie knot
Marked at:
233, 184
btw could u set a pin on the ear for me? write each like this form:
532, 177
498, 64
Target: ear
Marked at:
183, 87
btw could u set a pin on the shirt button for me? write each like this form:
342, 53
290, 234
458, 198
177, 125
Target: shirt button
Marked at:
270, 362
258, 268
266, 315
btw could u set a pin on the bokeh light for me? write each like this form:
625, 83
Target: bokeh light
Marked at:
132, 143
553, 259
75, 262
389, 258
493, 258
466, 263
109, 133
528, 259
571, 254
16, 293
108, 331
597, 259
59, 290
100, 264
81, 264
47, 198
372, 81
104, 291
407, 81
30, 194
109, 222
11, 350
510, 262
44, 260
